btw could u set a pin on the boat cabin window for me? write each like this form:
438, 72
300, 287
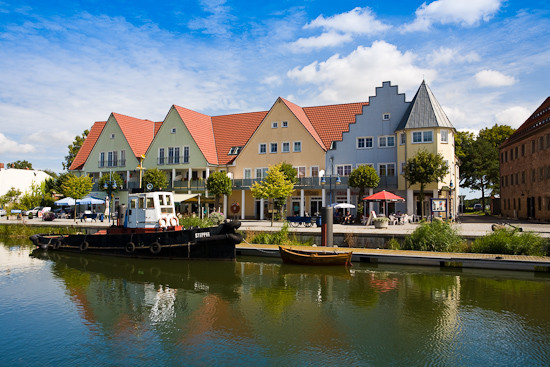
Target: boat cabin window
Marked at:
167, 210
168, 200
150, 203
161, 199
133, 203
141, 203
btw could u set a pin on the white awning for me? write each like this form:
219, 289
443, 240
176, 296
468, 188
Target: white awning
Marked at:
184, 197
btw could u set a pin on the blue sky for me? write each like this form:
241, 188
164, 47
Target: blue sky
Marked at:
66, 64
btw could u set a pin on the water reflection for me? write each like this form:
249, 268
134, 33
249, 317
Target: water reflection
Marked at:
259, 311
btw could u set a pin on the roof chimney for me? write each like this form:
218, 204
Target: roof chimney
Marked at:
1, 166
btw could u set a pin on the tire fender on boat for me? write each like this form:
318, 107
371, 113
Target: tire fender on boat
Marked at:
155, 248
57, 244
130, 247
163, 222
174, 221
84, 246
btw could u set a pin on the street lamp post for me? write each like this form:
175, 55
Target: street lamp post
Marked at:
324, 180
451, 189
110, 186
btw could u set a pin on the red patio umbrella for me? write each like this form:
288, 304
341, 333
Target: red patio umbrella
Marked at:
384, 196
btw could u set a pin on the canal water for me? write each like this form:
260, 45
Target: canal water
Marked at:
65, 310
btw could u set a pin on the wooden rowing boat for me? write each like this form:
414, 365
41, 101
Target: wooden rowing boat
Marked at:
292, 256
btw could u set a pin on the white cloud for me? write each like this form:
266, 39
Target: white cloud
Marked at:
357, 21
513, 116
328, 39
8, 146
218, 22
445, 55
354, 77
492, 78
461, 12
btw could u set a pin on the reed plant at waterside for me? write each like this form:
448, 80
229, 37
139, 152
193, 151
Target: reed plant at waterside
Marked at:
24, 231
434, 236
511, 242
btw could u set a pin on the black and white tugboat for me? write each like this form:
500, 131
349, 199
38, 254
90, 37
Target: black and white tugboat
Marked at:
150, 228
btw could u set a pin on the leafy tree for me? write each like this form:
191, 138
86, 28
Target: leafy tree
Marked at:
425, 168
20, 165
479, 158
155, 177
363, 177
218, 183
290, 172
33, 197
110, 179
77, 187
74, 148
274, 186
10, 197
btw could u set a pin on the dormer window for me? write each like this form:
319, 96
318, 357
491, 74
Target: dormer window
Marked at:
235, 150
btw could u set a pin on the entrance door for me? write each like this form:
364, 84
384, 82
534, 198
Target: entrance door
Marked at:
531, 207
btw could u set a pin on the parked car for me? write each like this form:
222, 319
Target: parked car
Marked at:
34, 211
477, 207
3, 212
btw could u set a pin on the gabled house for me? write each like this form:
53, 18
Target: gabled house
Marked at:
295, 135
115, 146
389, 131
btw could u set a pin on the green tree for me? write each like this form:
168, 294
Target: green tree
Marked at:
218, 183
363, 177
479, 158
424, 168
107, 182
20, 165
77, 187
74, 148
33, 197
290, 172
10, 197
155, 177
274, 186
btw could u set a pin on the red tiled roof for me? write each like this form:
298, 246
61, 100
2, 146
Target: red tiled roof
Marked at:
87, 146
139, 133
304, 119
234, 131
200, 128
331, 121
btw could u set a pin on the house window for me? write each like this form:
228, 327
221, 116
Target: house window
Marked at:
262, 148
261, 173
385, 116
422, 136
403, 164
122, 158
314, 171
109, 159
112, 136
386, 141
364, 142
173, 131
161, 156
102, 159
300, 171
247, 173
274, 125
444, 136
273, 148
343, 169
386, 169
402, 139
297, 146
285, 147
285, 123
185, 154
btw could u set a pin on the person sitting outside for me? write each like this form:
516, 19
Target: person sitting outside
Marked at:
347, 219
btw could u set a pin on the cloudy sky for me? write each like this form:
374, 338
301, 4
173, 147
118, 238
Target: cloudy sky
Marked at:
66, 64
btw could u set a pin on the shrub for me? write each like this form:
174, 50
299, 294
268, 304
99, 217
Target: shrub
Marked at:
511, 242
393, 244
195, 222
434, 236
216, 218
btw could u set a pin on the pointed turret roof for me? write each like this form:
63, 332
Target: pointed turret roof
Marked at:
424, 112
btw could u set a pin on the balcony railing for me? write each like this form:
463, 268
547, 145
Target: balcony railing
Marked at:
110, 164
172, 160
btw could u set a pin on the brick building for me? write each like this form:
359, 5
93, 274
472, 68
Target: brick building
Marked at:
525, 168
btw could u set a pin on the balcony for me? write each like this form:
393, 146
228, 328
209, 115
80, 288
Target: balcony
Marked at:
111, 164
387, 182
171, 160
